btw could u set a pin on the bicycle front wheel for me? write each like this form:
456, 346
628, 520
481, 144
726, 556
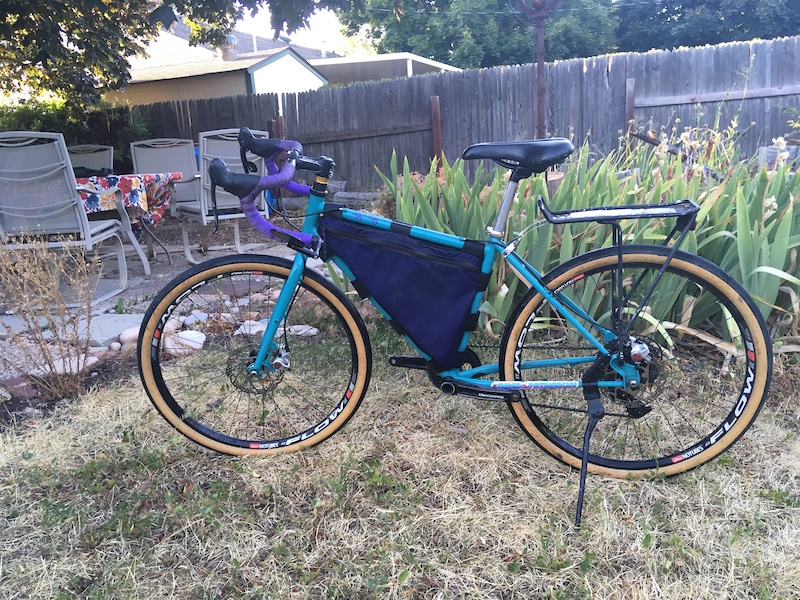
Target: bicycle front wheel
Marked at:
705, 379
204, 329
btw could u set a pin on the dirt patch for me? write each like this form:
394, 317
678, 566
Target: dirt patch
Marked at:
28, 402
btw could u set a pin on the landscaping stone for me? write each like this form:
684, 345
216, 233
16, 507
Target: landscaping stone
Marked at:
11, 324
105, 329
129, 335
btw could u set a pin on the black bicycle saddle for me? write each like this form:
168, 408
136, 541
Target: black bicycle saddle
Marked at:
535, 156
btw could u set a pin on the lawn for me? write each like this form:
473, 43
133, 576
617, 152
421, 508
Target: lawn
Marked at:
419, 496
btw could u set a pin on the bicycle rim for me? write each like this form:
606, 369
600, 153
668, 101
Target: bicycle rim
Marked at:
707, 378
204, 330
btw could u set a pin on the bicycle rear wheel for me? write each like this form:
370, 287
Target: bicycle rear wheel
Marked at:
204, 329
709, 370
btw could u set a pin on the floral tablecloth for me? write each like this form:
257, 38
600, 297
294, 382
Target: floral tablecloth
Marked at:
146, 196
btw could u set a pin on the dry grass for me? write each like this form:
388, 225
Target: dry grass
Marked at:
51, 292
420, 496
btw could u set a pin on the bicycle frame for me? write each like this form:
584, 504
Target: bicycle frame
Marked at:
495, 245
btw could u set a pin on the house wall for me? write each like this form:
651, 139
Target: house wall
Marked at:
284, 76
214, 85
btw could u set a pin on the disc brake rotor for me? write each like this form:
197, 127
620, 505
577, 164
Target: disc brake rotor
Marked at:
248, 381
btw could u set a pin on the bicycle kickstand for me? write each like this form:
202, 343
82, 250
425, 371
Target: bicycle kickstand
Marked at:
596, 412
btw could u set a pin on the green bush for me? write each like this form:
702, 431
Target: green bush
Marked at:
747, 223
104, 124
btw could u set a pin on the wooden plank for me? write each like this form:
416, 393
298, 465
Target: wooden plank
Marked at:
436, 121
630, 99
773, 92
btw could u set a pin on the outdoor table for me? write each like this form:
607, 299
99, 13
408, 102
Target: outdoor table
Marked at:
145, 198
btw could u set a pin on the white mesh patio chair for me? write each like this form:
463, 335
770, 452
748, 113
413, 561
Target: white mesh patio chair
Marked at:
169, 155
92, 156
224, 144
40, 203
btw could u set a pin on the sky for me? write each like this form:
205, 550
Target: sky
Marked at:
323, 32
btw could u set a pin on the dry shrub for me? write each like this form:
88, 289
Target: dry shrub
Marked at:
51, 293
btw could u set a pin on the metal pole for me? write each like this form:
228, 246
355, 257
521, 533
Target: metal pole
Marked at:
541, 88
540, 10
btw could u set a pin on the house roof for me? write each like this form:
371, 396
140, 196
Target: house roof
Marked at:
170, 57
345, 69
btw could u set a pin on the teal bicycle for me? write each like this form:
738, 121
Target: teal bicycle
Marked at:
626, 361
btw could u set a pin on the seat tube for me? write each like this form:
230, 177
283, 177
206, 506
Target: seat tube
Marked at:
499, 227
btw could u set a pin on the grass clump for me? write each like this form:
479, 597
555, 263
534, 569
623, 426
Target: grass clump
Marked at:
746, 224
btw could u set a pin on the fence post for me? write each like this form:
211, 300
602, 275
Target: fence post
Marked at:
436, 126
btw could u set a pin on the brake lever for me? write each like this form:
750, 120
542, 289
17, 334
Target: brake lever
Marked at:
214, 206
248, 166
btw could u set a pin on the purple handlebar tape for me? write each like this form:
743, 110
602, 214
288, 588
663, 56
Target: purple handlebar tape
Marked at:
272, 168
276, 179
292, 186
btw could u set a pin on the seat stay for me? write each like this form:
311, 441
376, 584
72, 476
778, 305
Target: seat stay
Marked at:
560, 303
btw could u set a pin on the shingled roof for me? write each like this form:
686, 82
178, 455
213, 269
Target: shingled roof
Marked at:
171, 57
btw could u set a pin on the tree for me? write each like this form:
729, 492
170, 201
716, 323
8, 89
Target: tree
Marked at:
79, 49
479, 33
673, 23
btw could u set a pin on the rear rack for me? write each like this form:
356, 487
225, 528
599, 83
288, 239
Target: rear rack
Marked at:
682, 208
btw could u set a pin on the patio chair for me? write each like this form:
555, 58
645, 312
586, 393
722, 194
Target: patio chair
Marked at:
40, 204
162, 155
224, 144
92, 157
167, 155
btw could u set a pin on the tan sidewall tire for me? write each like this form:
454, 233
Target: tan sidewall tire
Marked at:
148, 378
751, 409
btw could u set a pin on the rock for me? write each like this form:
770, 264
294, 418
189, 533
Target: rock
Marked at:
72, 364
250, 328
129, 335
303, 330
183, 343
196, 317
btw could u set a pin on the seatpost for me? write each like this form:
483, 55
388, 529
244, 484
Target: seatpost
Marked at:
499, 228
505, 208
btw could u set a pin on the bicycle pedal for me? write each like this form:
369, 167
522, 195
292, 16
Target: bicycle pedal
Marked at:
408, 362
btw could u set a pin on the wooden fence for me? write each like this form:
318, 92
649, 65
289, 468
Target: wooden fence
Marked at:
186, 118
360, 125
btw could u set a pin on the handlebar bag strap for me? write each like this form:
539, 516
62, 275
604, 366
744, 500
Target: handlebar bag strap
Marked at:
428, 290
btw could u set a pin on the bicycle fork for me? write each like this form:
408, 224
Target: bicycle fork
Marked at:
272, 356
